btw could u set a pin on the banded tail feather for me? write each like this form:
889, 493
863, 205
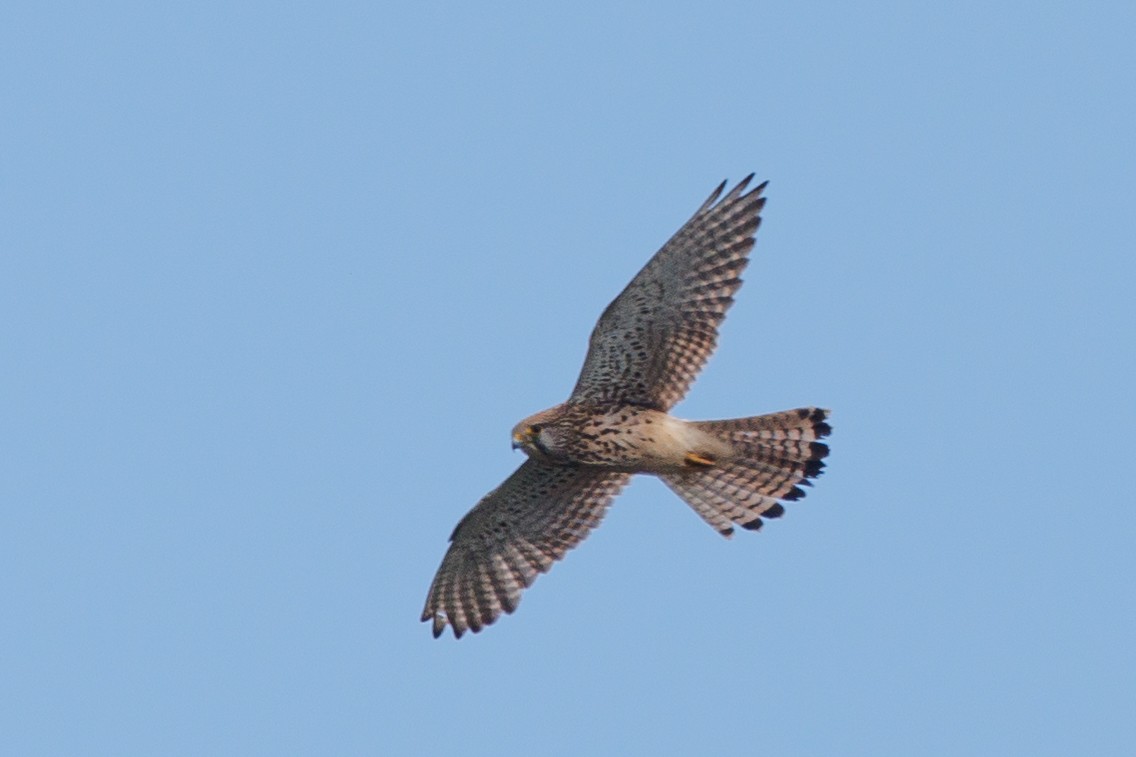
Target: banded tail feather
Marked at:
774, 456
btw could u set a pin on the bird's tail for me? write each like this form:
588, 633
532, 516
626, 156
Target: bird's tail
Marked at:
773, 455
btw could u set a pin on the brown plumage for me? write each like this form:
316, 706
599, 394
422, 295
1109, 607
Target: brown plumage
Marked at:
644, 353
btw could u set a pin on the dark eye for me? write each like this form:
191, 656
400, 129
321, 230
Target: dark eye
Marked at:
535, 428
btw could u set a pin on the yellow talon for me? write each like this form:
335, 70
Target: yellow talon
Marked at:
693, 458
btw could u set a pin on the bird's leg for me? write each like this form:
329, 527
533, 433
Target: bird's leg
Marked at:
699, 461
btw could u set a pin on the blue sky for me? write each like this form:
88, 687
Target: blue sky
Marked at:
277, 281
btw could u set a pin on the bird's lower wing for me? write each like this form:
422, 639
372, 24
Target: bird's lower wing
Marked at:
513, 534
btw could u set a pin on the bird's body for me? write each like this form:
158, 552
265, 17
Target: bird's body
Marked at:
645, 351
621, 438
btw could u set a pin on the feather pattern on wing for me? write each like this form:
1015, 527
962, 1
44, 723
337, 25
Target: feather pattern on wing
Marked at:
655, 337
515, 533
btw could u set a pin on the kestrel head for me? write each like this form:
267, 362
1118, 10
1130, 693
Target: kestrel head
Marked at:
525, 435
538, 436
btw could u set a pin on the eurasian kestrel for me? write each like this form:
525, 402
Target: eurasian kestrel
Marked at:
644, 353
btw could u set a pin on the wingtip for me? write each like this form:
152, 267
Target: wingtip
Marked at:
713, 198
439, 619
734, 193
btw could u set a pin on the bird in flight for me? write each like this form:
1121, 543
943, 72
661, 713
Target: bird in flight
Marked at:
644, 353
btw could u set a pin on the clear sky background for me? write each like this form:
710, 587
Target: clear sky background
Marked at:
276, 280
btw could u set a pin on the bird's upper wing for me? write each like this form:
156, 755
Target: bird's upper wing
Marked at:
513, 534
653, 339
